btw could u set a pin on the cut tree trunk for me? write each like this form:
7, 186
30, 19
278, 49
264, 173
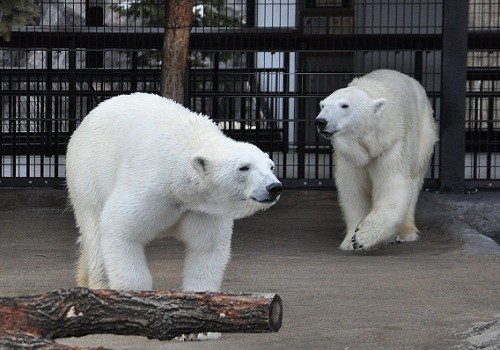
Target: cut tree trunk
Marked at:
33, 322
179, 15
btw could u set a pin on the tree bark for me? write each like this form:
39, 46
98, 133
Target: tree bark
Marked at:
160, 315
179, 15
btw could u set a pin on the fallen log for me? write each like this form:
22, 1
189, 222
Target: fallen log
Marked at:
159, 315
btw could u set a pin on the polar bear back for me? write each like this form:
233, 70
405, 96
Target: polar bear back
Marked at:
408, 110
111, 140
124, 115
404, 95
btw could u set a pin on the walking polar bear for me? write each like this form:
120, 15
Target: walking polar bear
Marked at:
382, 130
140, 165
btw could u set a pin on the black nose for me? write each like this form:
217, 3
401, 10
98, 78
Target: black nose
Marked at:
275, 189
320, 123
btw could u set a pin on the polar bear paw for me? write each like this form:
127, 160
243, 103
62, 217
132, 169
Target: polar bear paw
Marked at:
346, 245
406, 237
355, 244
199, 336
364, 239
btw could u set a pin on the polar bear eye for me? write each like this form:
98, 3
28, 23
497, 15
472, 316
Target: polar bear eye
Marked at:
244, 168
272, 167
344, 105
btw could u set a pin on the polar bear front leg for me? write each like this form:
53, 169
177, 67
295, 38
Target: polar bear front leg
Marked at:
391, 201
208, 248
352, 183
123, 251
129, 221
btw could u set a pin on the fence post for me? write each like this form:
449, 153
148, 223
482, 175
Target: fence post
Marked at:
453, 97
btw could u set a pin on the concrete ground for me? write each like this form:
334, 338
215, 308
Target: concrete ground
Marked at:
441, 292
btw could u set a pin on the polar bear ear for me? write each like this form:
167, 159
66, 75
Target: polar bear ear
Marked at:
200, 163
379, 106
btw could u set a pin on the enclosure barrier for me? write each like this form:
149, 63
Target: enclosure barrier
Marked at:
259, 68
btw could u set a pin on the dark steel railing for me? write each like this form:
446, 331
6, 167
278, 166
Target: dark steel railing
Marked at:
270, 104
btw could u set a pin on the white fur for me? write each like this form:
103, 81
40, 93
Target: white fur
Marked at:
383, 132
140, 165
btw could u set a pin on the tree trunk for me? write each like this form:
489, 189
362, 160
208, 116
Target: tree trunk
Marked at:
160, 315
179, 15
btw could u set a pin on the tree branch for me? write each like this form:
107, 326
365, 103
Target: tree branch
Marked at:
160, 315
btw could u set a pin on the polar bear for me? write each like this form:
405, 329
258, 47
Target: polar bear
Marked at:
383, 133
140, 165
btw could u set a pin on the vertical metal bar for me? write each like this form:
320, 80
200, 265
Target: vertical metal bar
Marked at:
489, 136
47, 112
419, 62
215, 87
1, 129
316, 142
453, 98
94, 18
26, 150
246, 77
476, 104
72, 86
187, 85
12, 125
301, 123
48, 86
133, 82
251, 13
55, 145
202, 90
252, 81
286, 111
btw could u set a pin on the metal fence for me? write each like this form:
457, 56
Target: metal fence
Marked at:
259, 68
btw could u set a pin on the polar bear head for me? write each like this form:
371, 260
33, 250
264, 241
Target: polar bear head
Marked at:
236, 178
347, 112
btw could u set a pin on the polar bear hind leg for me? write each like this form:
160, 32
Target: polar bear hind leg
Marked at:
90, 269
82, 274
409, 231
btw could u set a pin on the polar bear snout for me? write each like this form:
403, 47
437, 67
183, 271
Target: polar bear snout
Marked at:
275, 189
269, 194
321, 124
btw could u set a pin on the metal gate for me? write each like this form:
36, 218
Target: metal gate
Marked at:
259, 68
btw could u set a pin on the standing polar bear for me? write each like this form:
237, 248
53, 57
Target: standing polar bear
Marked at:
140, 165
382, 130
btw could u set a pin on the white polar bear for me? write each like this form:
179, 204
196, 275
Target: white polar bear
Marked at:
382, 130
140, 165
